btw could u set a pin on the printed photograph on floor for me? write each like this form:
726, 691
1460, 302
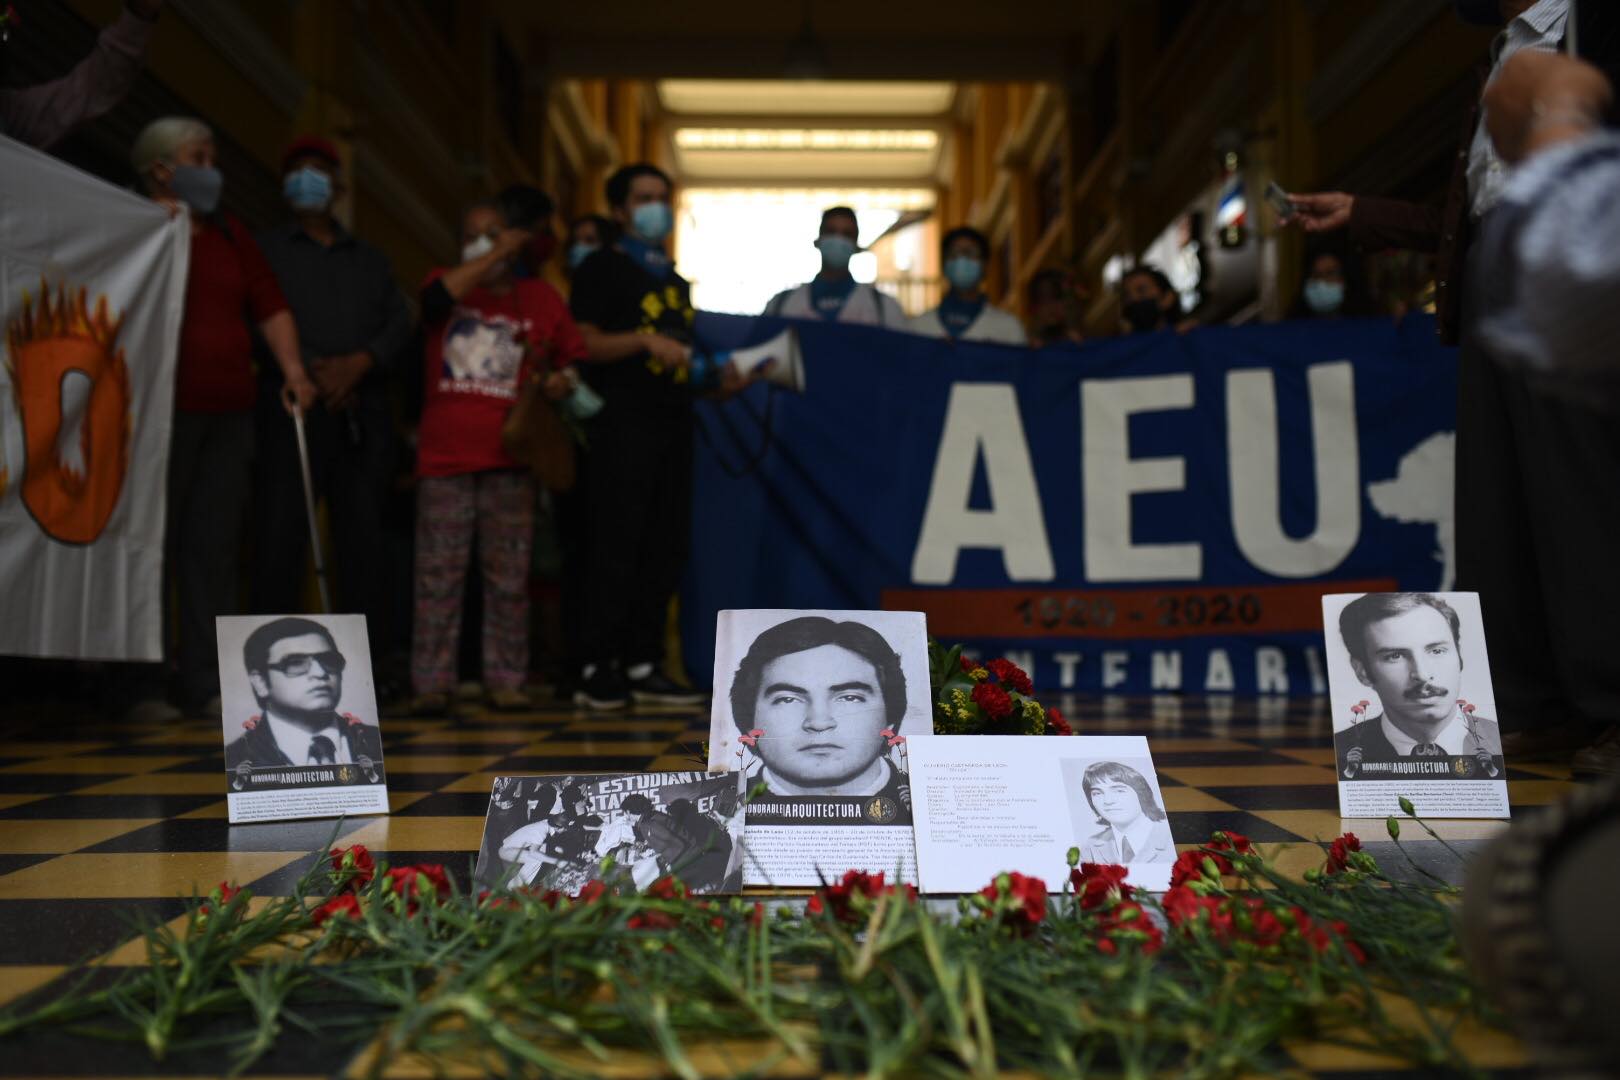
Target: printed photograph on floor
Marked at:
557, 832
299, 717
1412, 704
813, 708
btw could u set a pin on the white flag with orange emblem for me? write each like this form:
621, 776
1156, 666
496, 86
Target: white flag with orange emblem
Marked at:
92, 289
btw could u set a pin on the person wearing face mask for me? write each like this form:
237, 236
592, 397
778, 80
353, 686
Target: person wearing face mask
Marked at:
833, 295
588, 234
485, 330
1331, 289
636, 315
1149, 302
527, 207
966, 314
353, 326
231, 292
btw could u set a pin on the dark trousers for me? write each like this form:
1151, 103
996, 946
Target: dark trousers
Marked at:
637, 498
210, 461
350, 469
1538, 514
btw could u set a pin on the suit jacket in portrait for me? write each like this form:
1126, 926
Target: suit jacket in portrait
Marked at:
257, 746
1103, 847
1369, 735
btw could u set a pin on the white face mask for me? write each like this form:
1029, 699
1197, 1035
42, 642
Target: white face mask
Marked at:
477, 246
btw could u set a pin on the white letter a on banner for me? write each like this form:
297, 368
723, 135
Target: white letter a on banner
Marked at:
983, 419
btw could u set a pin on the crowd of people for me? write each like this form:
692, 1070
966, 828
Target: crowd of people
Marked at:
305, 320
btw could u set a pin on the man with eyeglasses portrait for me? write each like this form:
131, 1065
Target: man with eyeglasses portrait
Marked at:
296, 672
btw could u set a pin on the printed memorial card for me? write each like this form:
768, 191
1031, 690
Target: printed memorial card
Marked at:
813, 709
300, 717
561, 831
1412, 705
985, 804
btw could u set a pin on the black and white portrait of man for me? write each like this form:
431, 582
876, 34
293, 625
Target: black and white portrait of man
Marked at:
1409, 680
297, 710
819, 703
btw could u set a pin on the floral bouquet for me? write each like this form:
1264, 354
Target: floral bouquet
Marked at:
990, 698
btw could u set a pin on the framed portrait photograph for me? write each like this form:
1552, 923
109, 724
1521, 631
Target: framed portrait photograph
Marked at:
559, 831
812, 709
1413, 711
299, 717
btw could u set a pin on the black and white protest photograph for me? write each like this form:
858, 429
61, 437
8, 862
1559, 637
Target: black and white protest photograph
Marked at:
1117, 810
557, 832
299, 716
1411, 697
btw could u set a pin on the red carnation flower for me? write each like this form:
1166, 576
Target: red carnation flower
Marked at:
993, 700
1016, 901
1058, 724
412, 882
352, 867
344, 905
1128, 923
850, 899
1096, 883
967, 664
1338, 859
1010, 673
590, 892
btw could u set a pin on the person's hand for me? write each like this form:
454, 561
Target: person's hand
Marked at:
1487, 764
299, 393
1352, 761
337, 376
1320, 212
733, 382
668, 351
1540, 99
556, 385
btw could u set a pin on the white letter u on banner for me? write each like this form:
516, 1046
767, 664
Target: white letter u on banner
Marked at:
1251, 426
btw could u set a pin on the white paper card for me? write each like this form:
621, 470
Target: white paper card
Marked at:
1413, 711
985, 804
813, 708
299, 718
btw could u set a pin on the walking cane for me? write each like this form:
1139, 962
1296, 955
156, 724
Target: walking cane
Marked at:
309, 509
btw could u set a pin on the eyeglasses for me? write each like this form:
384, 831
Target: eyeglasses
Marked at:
331, 662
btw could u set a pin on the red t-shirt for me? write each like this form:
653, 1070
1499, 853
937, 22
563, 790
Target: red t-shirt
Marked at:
472, 363
229, 289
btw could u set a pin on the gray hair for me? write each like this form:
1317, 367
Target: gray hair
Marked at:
161, 138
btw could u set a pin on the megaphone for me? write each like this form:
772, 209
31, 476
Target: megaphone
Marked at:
777, 361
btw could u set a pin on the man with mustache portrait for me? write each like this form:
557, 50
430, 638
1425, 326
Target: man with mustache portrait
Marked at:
1406, 648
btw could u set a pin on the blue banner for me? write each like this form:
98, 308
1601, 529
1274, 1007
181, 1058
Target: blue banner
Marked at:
1150, 513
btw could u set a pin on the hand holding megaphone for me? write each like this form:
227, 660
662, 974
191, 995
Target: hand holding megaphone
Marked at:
777, 361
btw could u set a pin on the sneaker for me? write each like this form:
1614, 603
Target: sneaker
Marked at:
604, 690
509, 699
430, 704
656, 688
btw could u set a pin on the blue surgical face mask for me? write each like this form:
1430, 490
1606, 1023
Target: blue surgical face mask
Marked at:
198, 186
652, 221
579, 252
964, 272
1324, 297
836, 251
308, 190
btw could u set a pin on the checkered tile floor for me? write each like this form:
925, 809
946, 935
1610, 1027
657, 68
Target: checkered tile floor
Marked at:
102, 822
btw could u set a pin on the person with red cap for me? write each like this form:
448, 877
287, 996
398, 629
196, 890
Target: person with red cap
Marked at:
353, 326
